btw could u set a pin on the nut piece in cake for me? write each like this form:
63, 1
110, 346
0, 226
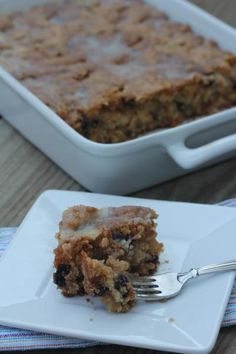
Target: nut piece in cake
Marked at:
98, 249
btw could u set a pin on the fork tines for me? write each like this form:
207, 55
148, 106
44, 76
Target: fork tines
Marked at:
147, 295
146, 287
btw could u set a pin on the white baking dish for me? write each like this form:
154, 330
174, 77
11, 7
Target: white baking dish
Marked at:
129, 166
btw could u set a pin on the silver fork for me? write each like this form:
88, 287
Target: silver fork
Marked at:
167, 285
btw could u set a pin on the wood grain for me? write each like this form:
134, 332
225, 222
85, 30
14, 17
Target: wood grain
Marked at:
25, 173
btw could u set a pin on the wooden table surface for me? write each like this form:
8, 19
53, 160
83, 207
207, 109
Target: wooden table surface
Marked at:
25, 173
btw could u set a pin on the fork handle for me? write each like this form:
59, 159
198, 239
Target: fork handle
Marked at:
220, 267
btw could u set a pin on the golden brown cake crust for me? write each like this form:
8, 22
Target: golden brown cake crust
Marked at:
116, 69
98, 249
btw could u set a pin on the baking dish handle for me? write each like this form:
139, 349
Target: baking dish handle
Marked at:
189, 158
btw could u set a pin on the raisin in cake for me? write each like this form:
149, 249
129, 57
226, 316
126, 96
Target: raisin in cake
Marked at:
99, 248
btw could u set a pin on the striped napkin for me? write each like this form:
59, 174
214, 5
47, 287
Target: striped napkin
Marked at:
17, 339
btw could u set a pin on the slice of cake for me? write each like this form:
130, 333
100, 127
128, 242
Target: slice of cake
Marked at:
99, 248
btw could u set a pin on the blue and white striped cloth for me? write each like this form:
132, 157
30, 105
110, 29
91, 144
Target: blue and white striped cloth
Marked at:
17, 339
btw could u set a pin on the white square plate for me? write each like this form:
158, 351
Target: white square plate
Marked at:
193, 235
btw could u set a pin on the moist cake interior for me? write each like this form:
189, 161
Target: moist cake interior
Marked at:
98, 249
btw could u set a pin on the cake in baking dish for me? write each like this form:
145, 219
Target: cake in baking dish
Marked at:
116, 69
98, 250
